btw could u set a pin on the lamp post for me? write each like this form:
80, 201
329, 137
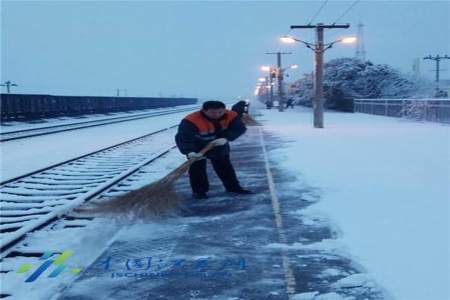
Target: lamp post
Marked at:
318, 48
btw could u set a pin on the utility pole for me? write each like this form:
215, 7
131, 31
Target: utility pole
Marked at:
319, 49
437, 59
266, 90
125, 92
279, 74
270, 88
8, 85
360, 50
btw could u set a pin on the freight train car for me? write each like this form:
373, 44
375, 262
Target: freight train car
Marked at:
29, 107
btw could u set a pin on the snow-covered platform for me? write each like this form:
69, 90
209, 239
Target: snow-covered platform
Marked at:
256, 246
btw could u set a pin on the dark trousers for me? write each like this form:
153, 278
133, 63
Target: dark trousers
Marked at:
224, 169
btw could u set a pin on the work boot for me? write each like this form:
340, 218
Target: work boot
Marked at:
239, 191
200, 196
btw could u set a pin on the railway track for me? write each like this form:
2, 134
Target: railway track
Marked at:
35, 200
26, 133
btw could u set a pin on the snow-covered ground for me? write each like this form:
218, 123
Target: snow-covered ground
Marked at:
385, 183
25, 155
382, 181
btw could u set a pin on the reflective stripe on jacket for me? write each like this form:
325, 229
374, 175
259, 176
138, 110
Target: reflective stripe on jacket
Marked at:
206, 129
196, 130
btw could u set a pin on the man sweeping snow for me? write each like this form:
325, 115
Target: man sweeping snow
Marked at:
212, 123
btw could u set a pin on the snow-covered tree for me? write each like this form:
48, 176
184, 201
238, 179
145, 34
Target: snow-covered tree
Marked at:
349, 78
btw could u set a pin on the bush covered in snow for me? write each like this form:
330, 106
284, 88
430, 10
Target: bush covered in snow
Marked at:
349, 78
415, 110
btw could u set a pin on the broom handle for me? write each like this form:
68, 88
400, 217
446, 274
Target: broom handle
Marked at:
207, 148
183, 167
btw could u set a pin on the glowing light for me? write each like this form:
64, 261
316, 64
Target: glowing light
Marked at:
348, 40
287, 40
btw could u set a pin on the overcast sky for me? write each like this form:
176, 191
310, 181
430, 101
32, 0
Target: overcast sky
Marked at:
202, 49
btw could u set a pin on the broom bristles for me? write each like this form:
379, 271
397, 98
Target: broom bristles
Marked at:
153, 200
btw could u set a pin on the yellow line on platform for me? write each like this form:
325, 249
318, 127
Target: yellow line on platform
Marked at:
288, 274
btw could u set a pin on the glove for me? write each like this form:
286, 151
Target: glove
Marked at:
194, 155
220, 142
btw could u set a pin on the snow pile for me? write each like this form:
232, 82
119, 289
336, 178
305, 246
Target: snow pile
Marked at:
315, 296
354, 280
328, 245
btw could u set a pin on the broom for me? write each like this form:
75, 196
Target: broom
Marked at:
155, 199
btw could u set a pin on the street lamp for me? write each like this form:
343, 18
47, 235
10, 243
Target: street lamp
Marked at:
319, 48
349, 40
314, 47
287, 40
289, 67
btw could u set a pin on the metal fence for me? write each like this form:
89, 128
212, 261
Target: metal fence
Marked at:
433, 110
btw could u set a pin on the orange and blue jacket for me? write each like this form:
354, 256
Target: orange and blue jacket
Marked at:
196, 130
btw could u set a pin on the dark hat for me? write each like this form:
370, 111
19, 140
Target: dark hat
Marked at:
213, 104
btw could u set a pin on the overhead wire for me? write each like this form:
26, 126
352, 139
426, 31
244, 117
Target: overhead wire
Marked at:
347, 11
338, 32
318, 12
